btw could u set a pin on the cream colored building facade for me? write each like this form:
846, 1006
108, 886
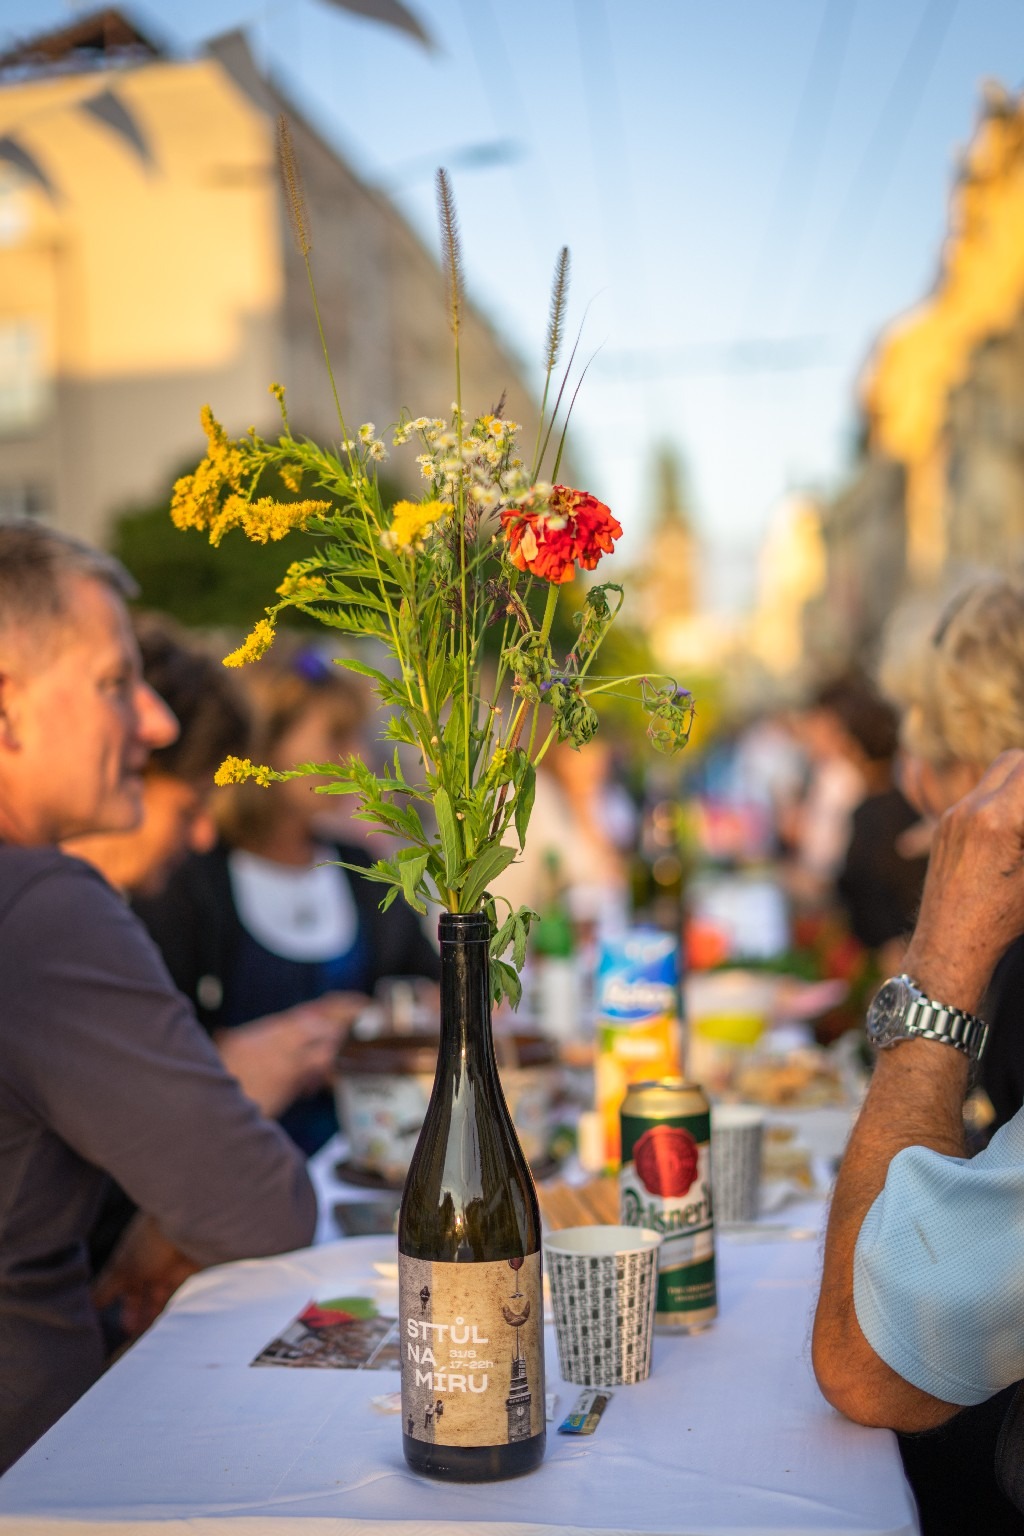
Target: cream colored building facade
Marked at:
939, 492
146, 268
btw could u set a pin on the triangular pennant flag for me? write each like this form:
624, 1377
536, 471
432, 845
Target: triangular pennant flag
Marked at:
392, 13
111, 111
14, 153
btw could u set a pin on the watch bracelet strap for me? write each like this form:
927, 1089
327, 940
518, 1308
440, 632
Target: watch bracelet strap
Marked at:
953, 1026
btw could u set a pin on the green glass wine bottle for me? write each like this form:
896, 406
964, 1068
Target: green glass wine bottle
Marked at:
469, 1261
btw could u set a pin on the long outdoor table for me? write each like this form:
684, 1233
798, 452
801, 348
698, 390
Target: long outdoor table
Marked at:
729, 1436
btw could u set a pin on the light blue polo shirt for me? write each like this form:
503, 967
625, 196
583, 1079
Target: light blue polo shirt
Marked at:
938, 1275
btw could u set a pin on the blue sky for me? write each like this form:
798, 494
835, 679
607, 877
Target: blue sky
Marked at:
751, 190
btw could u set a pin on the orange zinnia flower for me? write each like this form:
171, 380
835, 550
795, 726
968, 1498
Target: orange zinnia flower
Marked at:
574, 528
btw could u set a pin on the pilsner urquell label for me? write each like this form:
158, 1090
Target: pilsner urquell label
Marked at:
665, 1184
472, 1351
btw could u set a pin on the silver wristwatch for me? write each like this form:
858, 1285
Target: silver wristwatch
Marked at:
900, 1011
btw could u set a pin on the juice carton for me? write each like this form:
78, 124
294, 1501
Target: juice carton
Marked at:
638, 1021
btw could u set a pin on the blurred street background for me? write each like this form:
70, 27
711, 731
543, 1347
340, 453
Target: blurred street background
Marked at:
797, 235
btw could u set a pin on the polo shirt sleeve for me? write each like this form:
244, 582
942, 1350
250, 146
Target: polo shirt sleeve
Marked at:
107, 1055
938, 1277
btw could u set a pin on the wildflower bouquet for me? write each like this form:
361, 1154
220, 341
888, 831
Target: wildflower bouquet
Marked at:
489, 545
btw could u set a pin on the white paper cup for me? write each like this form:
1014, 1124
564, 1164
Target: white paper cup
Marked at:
604, 1286
736, 1135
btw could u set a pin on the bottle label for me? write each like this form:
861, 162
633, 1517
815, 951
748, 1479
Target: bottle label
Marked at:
472, 1350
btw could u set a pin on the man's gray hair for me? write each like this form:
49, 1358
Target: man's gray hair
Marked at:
35, 563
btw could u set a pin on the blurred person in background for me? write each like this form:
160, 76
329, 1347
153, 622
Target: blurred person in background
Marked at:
817, 826
267, 920
880, 880
854, 821
961, 689
586, 821
770, 771
104, 1072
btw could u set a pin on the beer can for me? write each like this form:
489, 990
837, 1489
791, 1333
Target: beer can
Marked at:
665, 1184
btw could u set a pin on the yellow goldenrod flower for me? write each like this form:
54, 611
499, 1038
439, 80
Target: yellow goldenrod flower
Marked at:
298, 582
267, 520
236, 770
253, 646
291, 474
411, 519
195, 502
221, 451
277, 390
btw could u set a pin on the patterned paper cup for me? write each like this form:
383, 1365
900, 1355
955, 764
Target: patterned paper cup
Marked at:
736, 1135
604, 1283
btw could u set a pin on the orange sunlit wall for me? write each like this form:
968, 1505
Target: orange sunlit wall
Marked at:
979, 293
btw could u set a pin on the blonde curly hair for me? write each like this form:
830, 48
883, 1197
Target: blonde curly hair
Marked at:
959, 678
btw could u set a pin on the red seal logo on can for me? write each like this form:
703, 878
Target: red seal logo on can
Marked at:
665, 1158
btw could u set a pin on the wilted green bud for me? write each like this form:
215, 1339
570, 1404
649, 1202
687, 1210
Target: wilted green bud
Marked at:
672, 710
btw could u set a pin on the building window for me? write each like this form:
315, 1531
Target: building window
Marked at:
23, 384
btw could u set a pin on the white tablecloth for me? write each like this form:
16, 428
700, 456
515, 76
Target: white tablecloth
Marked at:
728, 1436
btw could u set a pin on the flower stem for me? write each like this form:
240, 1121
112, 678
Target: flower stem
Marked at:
327, 355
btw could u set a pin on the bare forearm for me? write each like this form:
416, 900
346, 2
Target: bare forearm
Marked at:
915, 1100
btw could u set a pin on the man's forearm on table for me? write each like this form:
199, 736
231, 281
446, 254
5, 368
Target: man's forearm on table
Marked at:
915, 1100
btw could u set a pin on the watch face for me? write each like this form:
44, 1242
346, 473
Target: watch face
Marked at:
888, 1011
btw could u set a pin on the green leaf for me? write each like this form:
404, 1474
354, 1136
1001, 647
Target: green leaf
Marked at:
351, 665
525, 796
412, 867
384, 871
505, 983
451, 837
521, 930
359, 597
334, 770
402, 820
502, 938
485, 869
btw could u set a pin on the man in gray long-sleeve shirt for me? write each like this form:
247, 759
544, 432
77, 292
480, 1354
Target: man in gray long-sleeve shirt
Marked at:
103, 1069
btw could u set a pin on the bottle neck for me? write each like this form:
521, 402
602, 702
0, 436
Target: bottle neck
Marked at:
466, 1040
